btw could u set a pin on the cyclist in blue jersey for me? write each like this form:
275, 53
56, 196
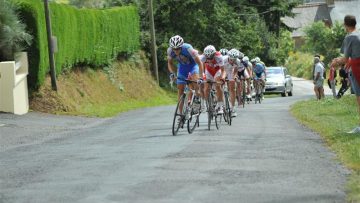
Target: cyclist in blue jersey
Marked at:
189, 65
259, 72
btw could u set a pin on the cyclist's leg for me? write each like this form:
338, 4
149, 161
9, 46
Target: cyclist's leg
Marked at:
247, 78
219, 90
232, 92
194, 75
263, 83
209, 77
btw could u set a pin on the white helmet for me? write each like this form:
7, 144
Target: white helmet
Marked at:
253, 60
257, 59
224, 51
209, 51
176, 42
241, 55
233, 54
246, 59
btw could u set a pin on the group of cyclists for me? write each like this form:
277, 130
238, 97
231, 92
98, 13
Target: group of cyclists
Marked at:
221, 66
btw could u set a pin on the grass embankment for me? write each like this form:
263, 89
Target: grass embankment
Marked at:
104, 92
332, 119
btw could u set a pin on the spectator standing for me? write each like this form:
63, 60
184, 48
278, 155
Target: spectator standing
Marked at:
318, 78
351, 50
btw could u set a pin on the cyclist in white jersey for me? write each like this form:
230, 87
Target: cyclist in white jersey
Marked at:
249, 68
242, 74
231, 65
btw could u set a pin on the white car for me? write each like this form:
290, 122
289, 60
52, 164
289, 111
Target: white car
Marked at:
278, 81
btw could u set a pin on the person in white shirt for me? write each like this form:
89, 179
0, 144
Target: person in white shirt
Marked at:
318, 78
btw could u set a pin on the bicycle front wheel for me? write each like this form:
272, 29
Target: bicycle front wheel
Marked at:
179, 118
193, 120
211, 109
218, 119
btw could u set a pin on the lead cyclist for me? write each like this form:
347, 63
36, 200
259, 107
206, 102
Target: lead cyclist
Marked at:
189, 64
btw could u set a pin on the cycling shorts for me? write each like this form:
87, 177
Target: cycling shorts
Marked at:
229, 75
243, 74
211, 77
184, 71
258, 76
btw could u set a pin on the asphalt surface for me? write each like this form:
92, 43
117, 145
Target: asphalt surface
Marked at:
265, 156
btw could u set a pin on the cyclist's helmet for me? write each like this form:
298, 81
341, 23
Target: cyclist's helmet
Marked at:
233, 54
246, 59
209, 51
257, 60
253, 61
241, 55
224, 51
176, 42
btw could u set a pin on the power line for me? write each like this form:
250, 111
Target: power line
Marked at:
253, 14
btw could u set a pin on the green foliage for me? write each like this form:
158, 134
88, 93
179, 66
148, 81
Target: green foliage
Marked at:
324, 40
13, 35
300, 64
285, 46
84, 36
99, 3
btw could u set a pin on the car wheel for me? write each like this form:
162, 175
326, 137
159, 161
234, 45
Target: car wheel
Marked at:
290, 94
283, 94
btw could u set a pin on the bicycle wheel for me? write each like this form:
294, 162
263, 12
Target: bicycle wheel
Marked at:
210, 107
227, 106
228, 110
194, 118
218, 119
179, 118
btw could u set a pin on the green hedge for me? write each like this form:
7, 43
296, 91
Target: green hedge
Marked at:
84, 36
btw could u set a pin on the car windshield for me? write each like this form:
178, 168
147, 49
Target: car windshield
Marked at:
273, 72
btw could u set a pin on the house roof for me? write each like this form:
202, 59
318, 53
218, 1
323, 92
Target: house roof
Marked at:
305, 15
308, 13
342, 8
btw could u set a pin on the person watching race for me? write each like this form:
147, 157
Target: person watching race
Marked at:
214, 72
231, 66
189, 65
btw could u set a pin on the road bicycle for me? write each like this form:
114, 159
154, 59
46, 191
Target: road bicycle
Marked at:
187, 110
241, 92
258, 90
211, 107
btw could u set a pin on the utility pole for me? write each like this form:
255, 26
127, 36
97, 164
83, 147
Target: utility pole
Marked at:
50, 46
153, 41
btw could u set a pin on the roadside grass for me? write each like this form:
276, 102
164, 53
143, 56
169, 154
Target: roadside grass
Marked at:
104, 92
332, 118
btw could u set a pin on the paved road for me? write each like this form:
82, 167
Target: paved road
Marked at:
266, 156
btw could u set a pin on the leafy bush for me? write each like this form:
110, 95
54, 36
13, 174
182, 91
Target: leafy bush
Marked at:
300, 64
85, 36
13, 35
324, 40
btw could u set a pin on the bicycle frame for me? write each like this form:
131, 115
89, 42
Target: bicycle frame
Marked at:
184, 111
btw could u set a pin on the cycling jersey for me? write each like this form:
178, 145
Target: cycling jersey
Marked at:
187, 55
229, 66
212, 66
186, 62
259, 70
